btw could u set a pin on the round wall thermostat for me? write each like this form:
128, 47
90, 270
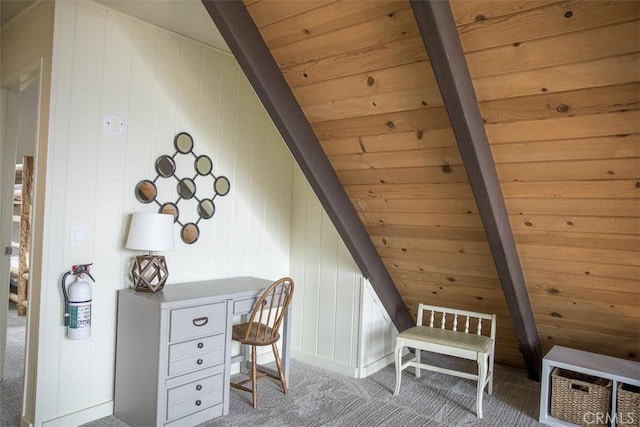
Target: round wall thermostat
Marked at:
114, 125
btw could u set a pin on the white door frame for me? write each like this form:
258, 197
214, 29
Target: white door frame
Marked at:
9, 106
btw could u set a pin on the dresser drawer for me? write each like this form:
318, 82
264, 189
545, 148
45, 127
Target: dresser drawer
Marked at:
196, 361
193, 347
194, 396
244, 306
197, 321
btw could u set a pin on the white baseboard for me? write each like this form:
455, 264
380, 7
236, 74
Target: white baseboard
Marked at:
375, 366
329, 365
81, 417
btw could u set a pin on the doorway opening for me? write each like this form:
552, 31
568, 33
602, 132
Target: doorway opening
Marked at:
18, 145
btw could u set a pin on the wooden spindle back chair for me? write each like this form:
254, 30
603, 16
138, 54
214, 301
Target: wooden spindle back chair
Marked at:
261, 329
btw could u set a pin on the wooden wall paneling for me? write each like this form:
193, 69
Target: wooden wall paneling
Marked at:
587, 268
369, 83
456, 206
442, 41
588, 315
422, 219
371, 105
547, 21
603, 256
622, 347
606, 99
441, 245
465, 12
410, 191
578, 170
321, 20
404, 175
581, 75
453, 234
595, 43
412, 139
387, 28
577, 239
398, 159
384, 123
266, 12
578, 223
619, 189
605, 147
590, 126
587, 288
389, 54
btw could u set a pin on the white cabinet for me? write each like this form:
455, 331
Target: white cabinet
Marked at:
173, 350
612, 368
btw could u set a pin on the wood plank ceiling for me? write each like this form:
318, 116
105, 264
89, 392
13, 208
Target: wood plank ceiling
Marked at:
558, 86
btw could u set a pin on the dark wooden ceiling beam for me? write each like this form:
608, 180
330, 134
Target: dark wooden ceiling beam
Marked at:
444, 48
239, 31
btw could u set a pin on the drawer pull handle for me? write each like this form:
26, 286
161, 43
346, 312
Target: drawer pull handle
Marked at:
199, 361
198, 387
198, 403
200, 321
200, 345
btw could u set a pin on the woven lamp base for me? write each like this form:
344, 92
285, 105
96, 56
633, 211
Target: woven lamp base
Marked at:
149, 273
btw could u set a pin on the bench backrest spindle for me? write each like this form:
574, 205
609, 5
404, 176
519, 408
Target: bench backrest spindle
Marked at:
470, 318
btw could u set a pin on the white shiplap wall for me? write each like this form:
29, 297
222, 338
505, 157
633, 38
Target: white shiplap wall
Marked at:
338, 322
161, 84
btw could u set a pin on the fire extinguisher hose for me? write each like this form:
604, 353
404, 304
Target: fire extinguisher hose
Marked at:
66, 299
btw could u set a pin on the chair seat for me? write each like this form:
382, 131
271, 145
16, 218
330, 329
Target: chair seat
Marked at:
257, 336
472, 342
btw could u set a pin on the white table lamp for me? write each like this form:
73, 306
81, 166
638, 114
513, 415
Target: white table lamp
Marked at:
151, 232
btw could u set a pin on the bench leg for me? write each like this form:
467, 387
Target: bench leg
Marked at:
398, 359
482, 377
490, 369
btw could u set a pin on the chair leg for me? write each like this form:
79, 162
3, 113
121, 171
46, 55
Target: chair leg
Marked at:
482, 376
398, 359
418, 358
254, 378
283, 380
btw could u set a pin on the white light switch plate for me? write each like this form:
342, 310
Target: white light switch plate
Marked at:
77, 235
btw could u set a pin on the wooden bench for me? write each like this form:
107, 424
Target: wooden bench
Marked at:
448, 332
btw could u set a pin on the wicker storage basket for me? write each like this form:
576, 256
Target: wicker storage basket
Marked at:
580, 399
628, 405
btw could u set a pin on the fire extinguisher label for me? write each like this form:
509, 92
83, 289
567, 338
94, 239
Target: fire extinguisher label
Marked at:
80, 316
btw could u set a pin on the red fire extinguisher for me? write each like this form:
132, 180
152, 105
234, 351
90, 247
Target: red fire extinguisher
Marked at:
77, 302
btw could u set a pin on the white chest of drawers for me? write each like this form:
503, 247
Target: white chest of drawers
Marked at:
173, 351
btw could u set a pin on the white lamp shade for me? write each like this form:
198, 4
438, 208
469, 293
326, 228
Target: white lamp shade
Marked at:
151, 231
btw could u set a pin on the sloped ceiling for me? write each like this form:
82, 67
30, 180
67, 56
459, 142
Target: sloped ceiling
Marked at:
557, 87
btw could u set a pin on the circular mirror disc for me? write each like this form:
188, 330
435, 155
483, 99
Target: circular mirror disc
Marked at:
190, 233
186, 188
146, 191
165, 166
203, 165
221, 185
206, 208
183, 142
170, 209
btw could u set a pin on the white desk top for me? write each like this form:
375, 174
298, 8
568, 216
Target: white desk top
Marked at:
231, 288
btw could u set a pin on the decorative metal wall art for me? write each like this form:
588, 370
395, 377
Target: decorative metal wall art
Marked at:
146, 191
